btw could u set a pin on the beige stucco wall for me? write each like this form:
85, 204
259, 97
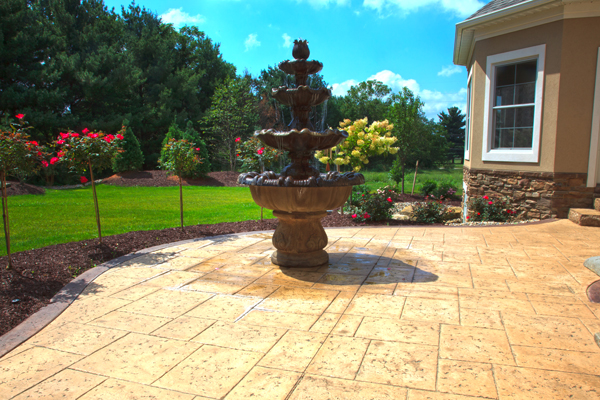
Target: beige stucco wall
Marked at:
551, 35
580, 42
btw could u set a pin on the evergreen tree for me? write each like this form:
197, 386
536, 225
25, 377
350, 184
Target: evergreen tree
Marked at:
454, 126
173, 133
131, 157
191, 135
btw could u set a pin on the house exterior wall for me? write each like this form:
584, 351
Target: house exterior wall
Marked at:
557, 182
581, 39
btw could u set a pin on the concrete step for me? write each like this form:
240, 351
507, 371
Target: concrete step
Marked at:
597, 204
584, 216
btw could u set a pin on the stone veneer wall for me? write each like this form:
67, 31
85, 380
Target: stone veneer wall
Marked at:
533, 194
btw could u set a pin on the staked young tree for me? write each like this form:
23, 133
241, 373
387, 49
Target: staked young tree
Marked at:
454, 126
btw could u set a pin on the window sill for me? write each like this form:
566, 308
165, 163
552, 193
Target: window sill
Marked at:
506, 155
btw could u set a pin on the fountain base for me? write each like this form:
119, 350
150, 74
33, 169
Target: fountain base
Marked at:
299, 239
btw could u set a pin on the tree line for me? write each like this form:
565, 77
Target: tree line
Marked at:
75, 64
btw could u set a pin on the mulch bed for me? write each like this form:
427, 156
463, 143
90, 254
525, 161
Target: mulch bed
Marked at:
16, 189
39, 274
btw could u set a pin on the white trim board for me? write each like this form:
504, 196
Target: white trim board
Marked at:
593, 164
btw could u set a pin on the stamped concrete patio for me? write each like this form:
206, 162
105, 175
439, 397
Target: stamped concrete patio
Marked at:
409, 313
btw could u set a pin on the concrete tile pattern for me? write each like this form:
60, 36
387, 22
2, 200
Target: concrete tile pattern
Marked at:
399, 313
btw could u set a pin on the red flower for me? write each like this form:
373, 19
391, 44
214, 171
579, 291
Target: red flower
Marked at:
60, 154
39, 153
367, 215
53, 160
237, 139
197, 149
119, 136
485, 197
33, 142
260, 151
45, 163
491, 202
64, 135
468, 217
389, 199
92, 135
363, 195
478, 213
354, 216
75, 134
19, 116
83, 179
109, 138
85, 130
60, 141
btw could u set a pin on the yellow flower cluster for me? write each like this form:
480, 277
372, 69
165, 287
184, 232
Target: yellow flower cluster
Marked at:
363, 141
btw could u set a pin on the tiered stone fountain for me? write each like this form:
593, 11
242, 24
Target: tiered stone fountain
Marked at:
300, 196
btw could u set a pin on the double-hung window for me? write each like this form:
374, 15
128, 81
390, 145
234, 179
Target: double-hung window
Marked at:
513, 105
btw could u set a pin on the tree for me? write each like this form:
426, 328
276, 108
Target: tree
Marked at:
19, 156
88, 150
191, 135
406, 113
454, 126
180, 157
130, 158
369, 99
232, 114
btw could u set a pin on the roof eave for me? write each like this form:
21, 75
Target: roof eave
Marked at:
465, 30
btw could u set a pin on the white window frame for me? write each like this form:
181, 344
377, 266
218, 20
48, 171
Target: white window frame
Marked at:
512, 57
468, 117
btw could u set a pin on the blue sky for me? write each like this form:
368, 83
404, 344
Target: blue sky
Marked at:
399, 42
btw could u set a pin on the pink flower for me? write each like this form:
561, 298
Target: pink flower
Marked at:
92, 135
45, 163
366, 215
197, 148
75, 134
119, 136
389, 199
83, 179
19, 116
260, 151
109, 138
491, 202
85, 130
354, 216
237, 139
64, 135
485, 197
60, 141
53, 160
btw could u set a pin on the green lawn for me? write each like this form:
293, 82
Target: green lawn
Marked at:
62, 216
376, 180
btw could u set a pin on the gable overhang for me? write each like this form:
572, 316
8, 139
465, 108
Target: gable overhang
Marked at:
464, 38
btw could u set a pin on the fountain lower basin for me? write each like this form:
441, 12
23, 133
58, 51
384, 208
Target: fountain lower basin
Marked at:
299, 237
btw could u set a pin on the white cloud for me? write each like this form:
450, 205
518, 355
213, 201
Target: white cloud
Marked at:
435, 101
179, 18
450, 70
287, 40
462, 8
251, 41
340, 89
325, 3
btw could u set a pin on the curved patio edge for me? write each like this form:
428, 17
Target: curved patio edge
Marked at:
69, 293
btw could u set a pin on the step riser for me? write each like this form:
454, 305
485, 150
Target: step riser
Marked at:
584, 217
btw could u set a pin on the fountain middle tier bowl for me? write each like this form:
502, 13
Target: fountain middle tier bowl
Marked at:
302, 96
302, 141
300, 199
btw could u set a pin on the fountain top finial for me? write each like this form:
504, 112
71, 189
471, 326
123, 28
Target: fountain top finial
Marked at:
300, 50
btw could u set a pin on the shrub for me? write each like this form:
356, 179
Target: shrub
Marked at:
130, 158
254, 156
444, 190
484, 208
430, 212
367, 206
428, 187
395, 173
191, 135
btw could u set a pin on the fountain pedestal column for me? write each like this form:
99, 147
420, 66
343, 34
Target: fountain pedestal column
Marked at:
299, 239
